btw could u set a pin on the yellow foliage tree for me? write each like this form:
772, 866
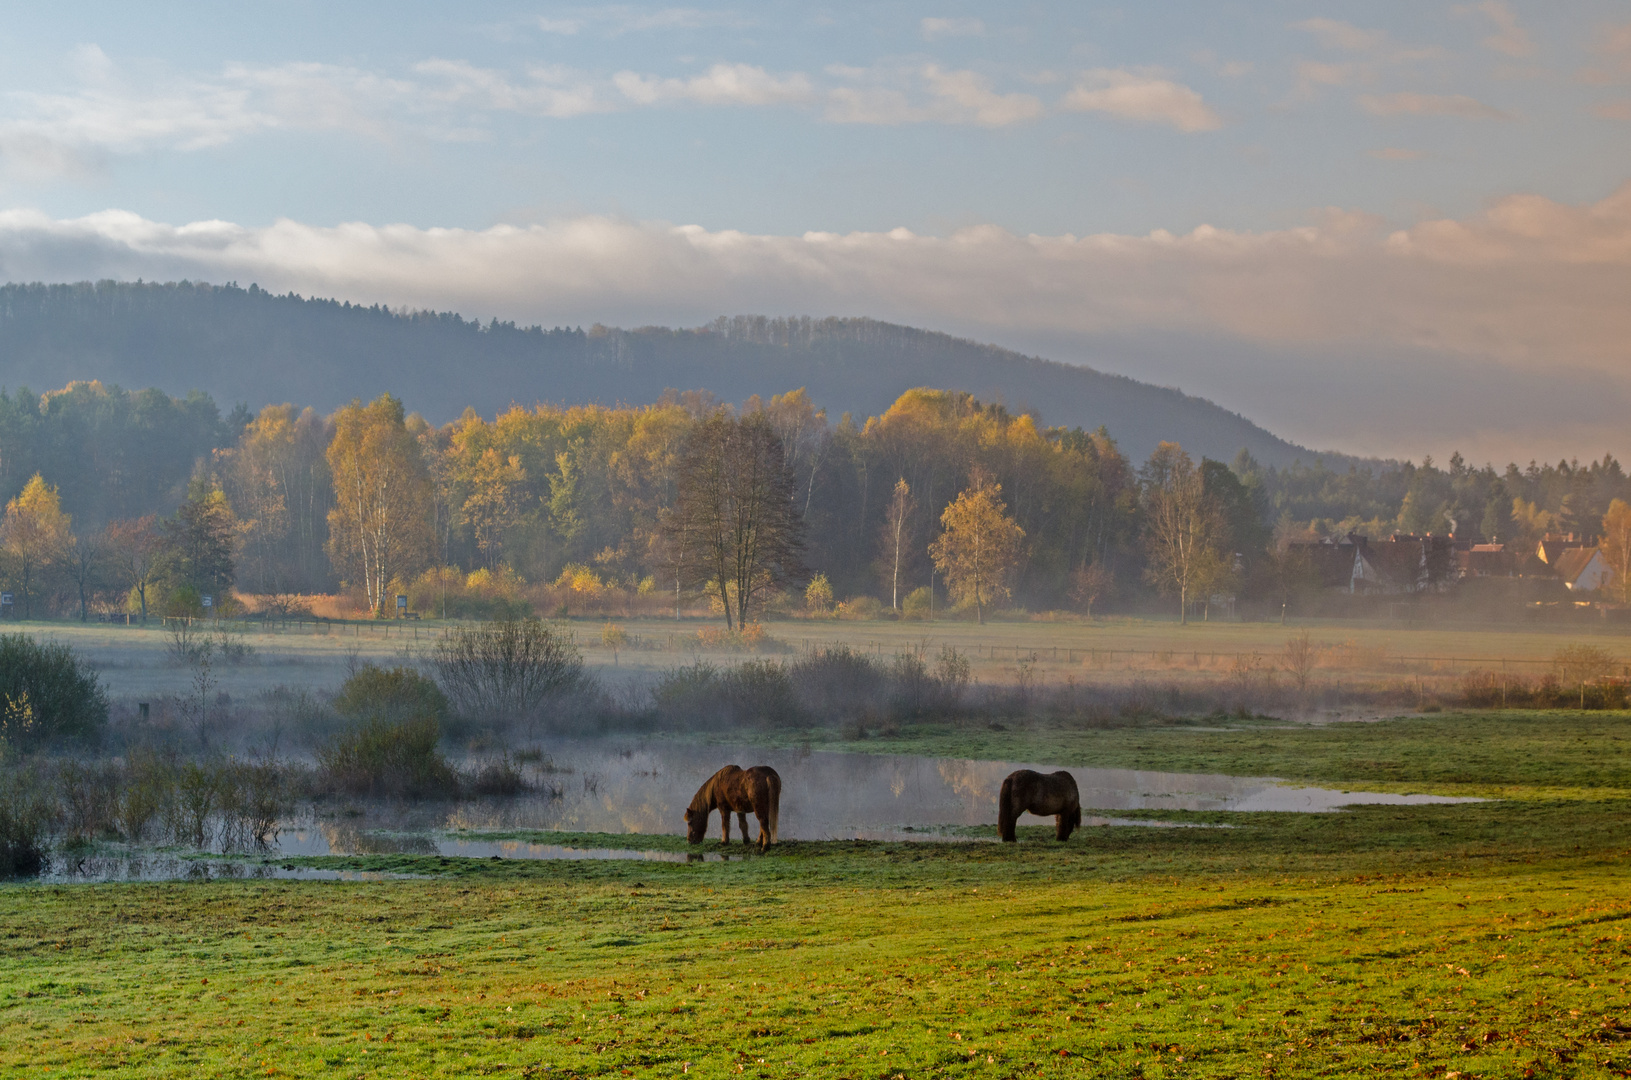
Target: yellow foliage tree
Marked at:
978, 547
1617, 546
379, 528
34, 530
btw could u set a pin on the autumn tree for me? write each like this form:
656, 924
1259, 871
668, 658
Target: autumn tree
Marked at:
32, 534
493, 506
379, 528
735, 530
134, 547
277, 480
1616, 545
1182, 526
978, 547
896, 537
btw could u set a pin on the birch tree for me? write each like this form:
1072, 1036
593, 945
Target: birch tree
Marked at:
1182, 527
32, 533
379, 528
978, 548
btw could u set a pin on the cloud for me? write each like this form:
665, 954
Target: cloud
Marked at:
1395, 153
1141, 98
955, 27
1409, 104
617, 19
927, 94
722, 84
1334, 34
1509, 38
1613, 45
1529, 288
1612, 110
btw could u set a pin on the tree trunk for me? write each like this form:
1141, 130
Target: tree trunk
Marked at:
1183, 605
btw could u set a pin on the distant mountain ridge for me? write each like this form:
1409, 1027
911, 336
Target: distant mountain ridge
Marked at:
249, 345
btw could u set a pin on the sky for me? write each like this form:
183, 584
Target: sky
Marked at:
1383, 228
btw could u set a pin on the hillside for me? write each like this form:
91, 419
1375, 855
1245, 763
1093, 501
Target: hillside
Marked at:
247, 345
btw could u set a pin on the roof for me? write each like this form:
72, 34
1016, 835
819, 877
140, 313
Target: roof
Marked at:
1571, 564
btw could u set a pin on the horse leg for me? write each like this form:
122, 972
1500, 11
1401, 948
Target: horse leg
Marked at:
724, 824
742, 820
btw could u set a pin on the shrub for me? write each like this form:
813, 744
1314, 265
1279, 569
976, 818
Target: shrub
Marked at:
919, 603
838, 682
398, 693
506, 671
142, 796
500, 776
89, 797
757, 692
49, 693
1576, 664
818, 595
860, 608
25, 819
389, 758
254, 797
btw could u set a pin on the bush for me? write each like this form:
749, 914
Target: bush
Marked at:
47, 694
919, 603
399, 693
758, 692
508, 671
838, 682
387, 758
499, 776
860, 608
25, 818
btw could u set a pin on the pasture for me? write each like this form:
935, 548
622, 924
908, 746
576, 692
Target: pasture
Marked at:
1482, 939
136, 663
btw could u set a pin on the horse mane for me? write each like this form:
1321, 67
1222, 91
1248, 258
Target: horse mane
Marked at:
703, 800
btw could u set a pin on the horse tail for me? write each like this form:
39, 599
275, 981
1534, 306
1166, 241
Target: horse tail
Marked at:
1005, 811
773, 794
1070, 820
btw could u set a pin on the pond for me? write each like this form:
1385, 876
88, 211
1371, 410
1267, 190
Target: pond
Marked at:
621, 787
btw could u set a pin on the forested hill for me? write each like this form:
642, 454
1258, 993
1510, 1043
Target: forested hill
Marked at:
250, 346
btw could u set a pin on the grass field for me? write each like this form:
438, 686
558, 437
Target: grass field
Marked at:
1483, 939
134, 663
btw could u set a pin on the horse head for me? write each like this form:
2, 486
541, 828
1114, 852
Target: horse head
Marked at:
696, 824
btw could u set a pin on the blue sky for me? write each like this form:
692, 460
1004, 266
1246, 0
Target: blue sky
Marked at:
1262, 202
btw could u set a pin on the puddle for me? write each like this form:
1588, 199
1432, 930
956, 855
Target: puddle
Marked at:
621, 787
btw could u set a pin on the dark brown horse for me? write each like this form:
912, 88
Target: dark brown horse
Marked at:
736, 790
1032, 792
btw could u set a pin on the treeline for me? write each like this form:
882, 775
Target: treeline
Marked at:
141, 501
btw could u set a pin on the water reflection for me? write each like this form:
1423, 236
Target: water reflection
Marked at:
621, 787
643, 787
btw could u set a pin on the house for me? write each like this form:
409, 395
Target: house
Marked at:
1485, 561
1582, 569
1402, 563
1553, 545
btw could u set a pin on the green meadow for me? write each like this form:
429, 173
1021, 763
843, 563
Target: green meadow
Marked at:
1475, 940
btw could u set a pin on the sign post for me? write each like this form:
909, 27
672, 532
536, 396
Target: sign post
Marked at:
401, 606
5, 602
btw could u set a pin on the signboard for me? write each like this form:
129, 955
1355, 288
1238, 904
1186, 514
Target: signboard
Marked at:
209, 601
5, 598
402, 603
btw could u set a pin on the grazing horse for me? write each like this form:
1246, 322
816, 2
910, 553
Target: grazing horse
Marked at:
1026, 791
736, 790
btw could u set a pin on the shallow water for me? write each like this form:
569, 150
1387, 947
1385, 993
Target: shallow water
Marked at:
616, 786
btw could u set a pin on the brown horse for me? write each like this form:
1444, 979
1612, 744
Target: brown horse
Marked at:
1032, 792
736, 790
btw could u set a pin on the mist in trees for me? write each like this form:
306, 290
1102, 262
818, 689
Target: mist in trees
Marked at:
144, 503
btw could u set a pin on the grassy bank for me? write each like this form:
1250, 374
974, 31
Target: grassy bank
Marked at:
1484, 939
1502, 753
